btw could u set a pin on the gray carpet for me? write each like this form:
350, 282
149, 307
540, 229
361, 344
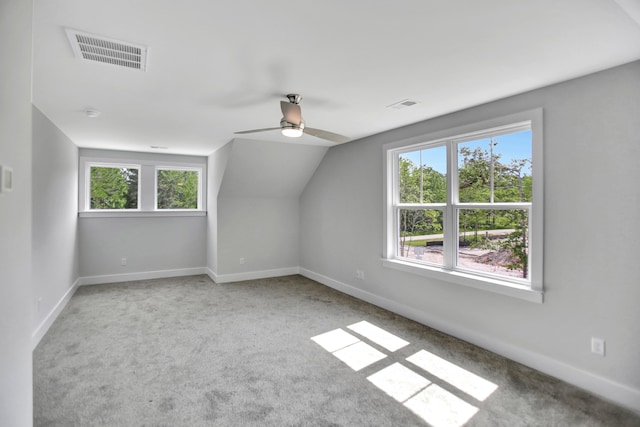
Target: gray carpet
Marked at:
189, 352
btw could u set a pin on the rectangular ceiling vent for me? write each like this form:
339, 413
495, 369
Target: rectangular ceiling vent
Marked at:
89, 47
403, 104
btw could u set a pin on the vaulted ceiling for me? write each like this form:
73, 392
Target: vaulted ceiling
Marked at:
218, 67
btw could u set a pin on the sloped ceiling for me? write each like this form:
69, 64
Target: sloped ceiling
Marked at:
217, 67
269, 169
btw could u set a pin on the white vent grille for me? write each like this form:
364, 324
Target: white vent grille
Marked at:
90, 47
403, 104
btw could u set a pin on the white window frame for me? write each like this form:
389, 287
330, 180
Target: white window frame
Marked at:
532, 289
178, 168
147, 186
115, 165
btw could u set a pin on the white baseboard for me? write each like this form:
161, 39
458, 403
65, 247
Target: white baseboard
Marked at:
252, 275
44, 326
603, 387
145, 275
212, 274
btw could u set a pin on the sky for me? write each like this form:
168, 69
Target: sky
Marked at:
510, 146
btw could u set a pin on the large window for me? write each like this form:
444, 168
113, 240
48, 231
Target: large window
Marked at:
466, 205
131, 184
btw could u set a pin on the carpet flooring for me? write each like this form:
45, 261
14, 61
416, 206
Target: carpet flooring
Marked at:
279, 352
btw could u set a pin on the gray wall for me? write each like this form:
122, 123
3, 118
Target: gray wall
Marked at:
592, 198
55, 216
258, 207
15, 214
216, 166
150, 244
263, 231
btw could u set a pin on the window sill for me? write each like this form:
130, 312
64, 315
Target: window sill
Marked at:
139, 214
472, 281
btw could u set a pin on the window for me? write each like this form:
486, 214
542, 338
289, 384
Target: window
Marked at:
113, 187
114, 183
177, 188
466, 205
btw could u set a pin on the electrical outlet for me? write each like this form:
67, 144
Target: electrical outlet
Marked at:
359, 274
597, 346
39, 305
241, 261
123, 261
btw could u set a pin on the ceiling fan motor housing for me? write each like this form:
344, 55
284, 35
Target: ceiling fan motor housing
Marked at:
287, 125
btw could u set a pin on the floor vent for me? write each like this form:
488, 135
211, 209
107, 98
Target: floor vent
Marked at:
89, 47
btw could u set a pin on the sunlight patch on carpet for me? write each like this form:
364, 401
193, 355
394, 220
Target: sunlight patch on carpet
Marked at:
378, 335
458, 377
335, 340
440, 408
398, 381
433, 403
359, 355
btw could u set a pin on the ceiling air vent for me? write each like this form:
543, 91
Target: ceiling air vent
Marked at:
403, 104
90, 47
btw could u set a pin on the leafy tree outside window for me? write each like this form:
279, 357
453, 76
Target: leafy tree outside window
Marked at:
177, 188
114, 187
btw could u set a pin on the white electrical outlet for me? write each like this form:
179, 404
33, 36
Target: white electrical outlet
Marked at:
123, 261
359, 274
597, 346
241, 261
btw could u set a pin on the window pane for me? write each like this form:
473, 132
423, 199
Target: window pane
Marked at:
496, 169
423, 176
494, 241
114, 188
420, 235
177, 189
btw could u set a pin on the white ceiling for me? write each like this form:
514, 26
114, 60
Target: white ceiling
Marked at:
217, 67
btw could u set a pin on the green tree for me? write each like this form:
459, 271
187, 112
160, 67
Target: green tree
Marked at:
177, 189
420, 184
114, 188
474, 175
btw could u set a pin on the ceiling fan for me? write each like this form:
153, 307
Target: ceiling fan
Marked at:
293, 126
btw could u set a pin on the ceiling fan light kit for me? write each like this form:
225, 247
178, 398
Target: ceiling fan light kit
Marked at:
292, 131
293, 126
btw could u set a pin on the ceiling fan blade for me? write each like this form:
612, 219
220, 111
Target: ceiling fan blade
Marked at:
291, 112
255, 130
329, 136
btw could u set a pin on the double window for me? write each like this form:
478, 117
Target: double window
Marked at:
466, 205
113, 187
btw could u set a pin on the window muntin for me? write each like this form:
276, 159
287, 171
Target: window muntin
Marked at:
113, 186
490, 181
178, 188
